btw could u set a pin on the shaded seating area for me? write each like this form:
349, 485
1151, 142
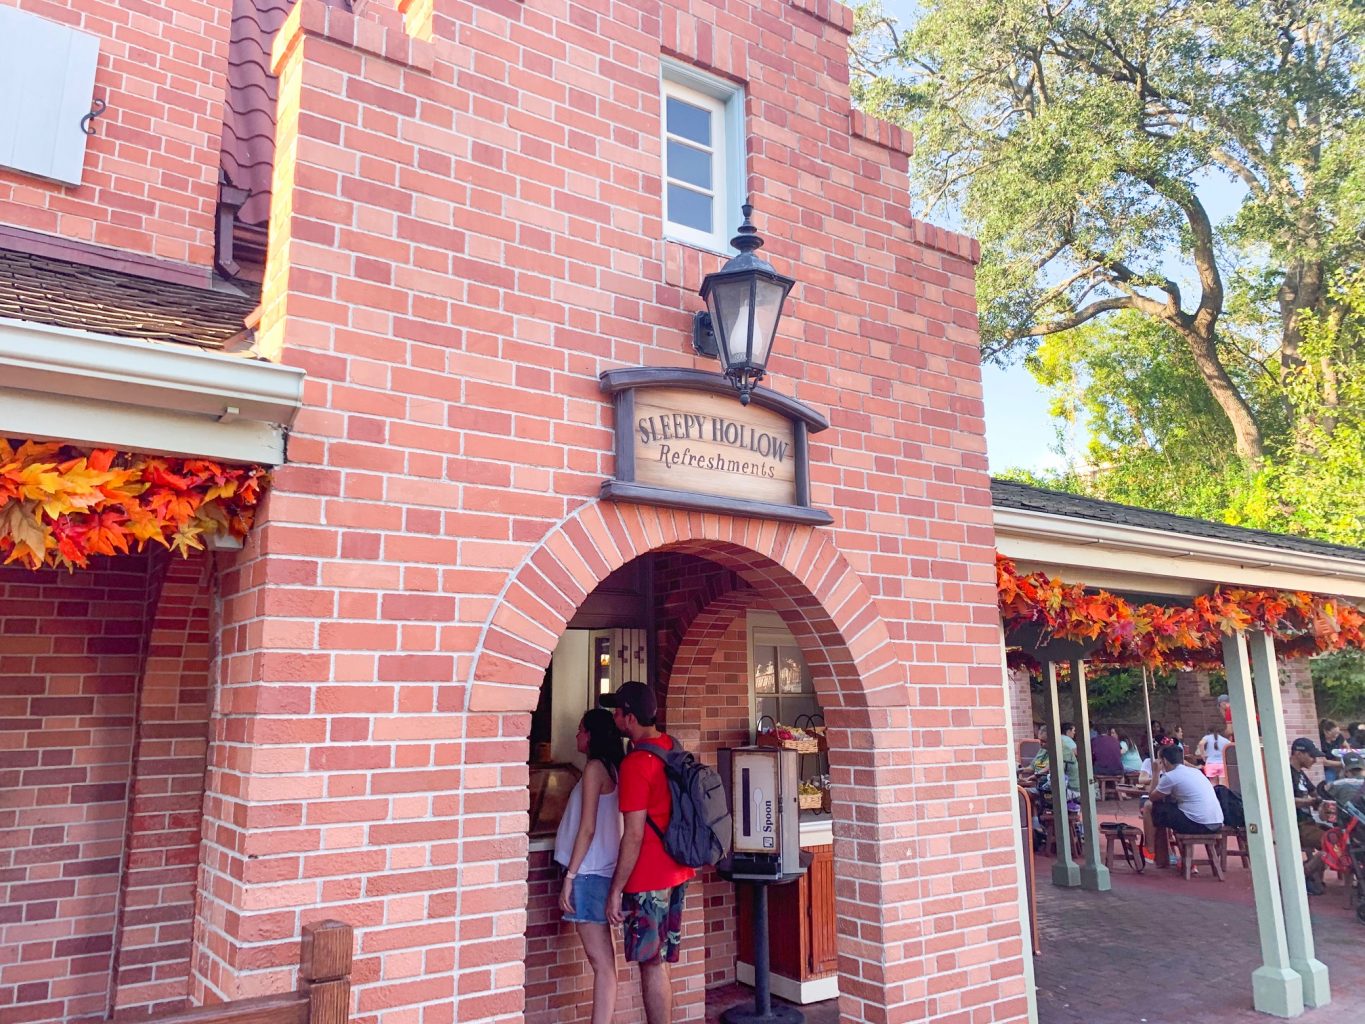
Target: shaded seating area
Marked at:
1060, 629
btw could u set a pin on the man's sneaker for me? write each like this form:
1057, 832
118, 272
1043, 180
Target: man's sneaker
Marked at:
1315, 888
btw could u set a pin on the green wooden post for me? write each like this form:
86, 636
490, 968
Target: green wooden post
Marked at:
1280, 795
1065, 872
1276, 987
1094, 875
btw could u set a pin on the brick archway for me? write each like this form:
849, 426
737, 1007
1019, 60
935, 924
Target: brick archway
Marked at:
795, 571
798, 569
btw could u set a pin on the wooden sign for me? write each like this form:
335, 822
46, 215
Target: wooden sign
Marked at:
684, 440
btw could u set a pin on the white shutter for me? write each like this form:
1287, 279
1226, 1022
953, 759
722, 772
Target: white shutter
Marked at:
47, 82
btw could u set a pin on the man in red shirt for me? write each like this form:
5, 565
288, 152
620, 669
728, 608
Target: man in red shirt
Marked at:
647, 890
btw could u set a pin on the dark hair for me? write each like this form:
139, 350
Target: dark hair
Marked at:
1173, 755
604, 741
1326, 724
1067, 727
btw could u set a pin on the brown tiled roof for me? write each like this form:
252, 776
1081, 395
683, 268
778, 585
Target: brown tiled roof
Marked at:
50, 291
249, 117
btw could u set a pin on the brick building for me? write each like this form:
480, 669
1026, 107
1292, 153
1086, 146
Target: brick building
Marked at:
473, 211
410, 240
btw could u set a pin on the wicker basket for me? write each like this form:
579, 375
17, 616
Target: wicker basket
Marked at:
810, 745
810, 801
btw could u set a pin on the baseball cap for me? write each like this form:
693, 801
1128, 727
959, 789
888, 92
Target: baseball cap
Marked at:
634, 697
1352, 759
1303, 745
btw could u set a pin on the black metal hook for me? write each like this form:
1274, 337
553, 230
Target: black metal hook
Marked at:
96, 109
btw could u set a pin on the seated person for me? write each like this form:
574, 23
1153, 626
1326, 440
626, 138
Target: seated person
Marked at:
1145, 772
1071, 765
1106, 754
1350, 782
1132, 758
1303, 754
1183, 800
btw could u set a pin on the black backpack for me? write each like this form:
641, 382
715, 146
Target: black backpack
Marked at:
699, 828
1231, 803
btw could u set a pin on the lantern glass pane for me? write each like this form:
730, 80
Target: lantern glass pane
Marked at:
768, 307
730, 314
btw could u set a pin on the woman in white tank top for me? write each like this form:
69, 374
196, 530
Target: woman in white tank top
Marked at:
586, 845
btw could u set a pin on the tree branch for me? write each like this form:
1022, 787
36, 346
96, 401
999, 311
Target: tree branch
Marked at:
1075, 319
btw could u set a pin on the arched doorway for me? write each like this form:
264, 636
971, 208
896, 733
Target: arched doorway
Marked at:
799, 575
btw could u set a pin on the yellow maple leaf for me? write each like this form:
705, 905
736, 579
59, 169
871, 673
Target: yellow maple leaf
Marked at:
19, 522
39, 481
80, 486
186, 539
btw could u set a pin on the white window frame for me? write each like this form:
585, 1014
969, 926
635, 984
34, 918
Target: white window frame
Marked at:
730, 176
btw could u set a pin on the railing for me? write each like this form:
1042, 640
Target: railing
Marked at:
323, 996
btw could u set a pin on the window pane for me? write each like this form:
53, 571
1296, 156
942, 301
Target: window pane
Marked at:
688, 121
767, 713
690, 165
690, 209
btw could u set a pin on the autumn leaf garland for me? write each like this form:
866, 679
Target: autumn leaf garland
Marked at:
60, 505
1165, 636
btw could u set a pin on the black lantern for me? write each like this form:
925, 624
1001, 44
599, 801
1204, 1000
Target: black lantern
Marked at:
744, 302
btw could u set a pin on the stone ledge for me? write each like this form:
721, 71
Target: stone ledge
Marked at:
953, 243
881, 133
377, 30
831, 12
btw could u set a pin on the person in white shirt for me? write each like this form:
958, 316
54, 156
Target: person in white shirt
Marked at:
586, 846
1182, 800
1211, 749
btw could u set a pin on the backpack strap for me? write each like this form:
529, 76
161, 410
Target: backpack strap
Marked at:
651, 748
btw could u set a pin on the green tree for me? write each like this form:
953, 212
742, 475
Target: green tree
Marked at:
1078, 139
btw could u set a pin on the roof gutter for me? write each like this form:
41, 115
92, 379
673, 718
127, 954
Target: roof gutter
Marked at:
1117, 556
93, 389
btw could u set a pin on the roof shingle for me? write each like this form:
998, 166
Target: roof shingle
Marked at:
44, 290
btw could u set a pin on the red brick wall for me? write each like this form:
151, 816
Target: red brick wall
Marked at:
151, 169
157, 909
466, 232
1023, 723
89, 699
558, 976
711, 700
70, 652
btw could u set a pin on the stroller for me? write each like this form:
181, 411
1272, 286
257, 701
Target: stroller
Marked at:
1343, 847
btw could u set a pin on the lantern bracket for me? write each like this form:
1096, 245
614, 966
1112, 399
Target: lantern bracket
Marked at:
703, 337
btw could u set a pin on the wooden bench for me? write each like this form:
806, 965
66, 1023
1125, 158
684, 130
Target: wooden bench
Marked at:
1214, 846
1112, 784
323, 995
1242, 852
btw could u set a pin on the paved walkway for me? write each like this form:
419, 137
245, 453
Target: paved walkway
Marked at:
1149, 951
1159, 949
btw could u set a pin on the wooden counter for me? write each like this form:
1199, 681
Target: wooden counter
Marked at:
804, 960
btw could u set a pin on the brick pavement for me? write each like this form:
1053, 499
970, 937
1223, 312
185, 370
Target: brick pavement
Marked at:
1159, 948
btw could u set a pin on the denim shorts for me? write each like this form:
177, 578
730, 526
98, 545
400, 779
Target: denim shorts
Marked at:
589, 899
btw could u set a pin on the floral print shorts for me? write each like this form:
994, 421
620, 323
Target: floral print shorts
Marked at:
653, 926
